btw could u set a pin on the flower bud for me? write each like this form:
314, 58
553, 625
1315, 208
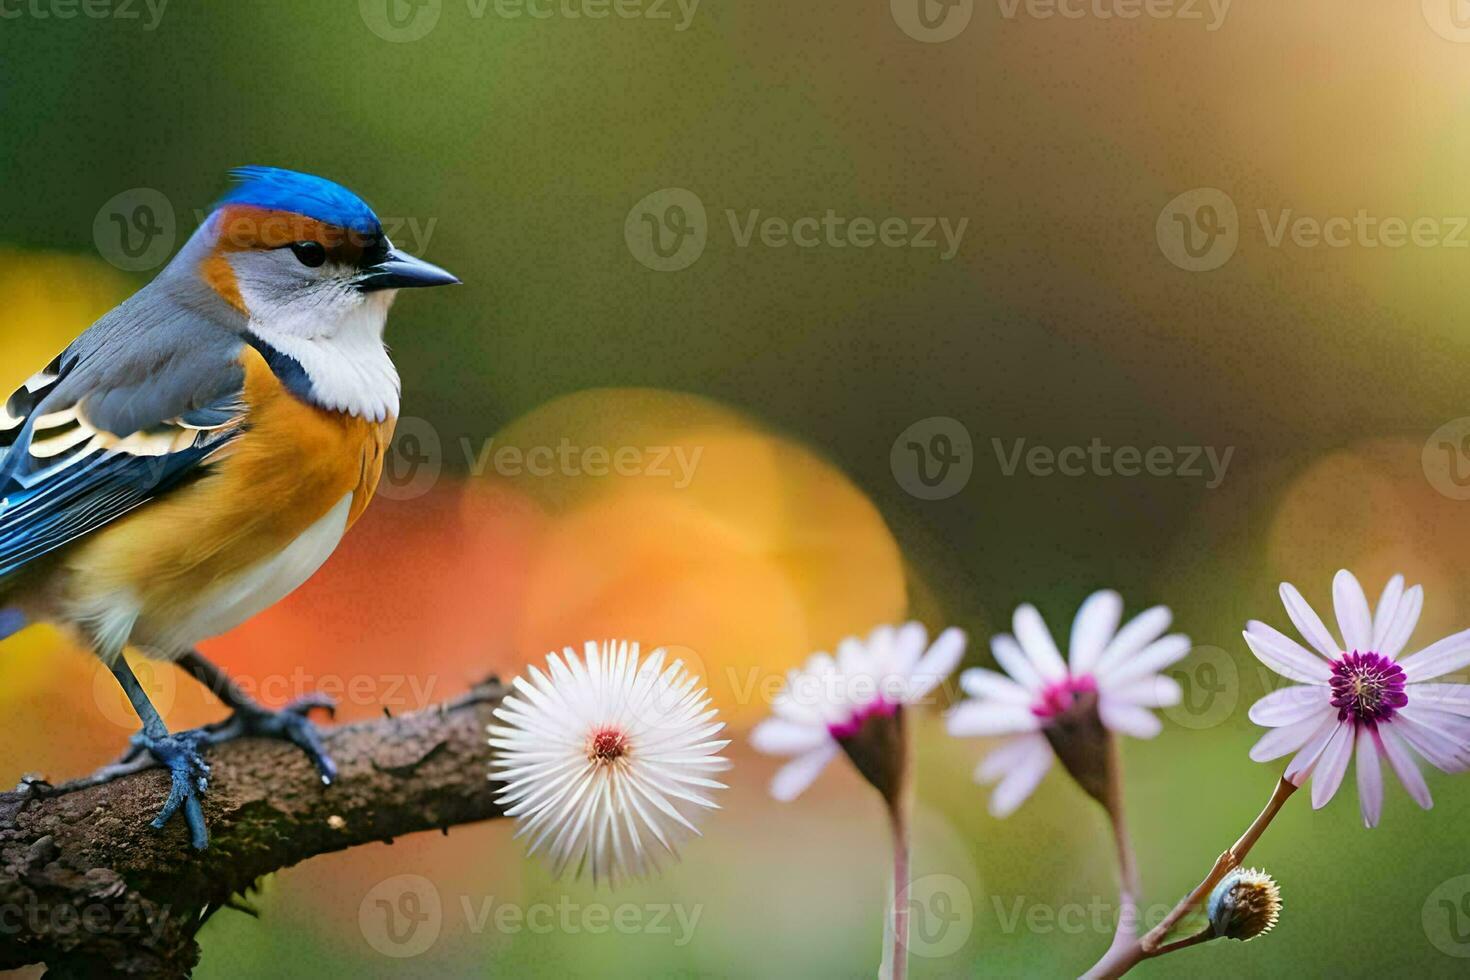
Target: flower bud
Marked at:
1084, 745
1245, 905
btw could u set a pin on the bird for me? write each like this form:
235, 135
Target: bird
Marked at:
198, 453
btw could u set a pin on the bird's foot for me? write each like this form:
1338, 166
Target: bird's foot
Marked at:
291, 724
180, 755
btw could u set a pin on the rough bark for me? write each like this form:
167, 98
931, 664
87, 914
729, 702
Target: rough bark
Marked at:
88, 888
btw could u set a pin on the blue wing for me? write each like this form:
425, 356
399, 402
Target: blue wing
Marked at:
66, 470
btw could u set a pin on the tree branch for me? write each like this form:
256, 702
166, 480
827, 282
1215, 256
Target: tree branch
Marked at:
89, 889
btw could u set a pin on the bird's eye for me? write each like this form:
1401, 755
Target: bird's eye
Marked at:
309, 254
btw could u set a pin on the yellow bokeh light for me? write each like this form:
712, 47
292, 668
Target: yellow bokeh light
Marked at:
739, 547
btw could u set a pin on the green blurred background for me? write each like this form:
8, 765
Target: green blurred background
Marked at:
512, 149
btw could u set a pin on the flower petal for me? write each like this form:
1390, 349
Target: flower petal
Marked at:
908, 646
933, 667
1290, 705
1288, 738
1150, 660
1370, 778
1129, 719
1096, 623
1454, 698
780, 736
1306, 760
1011, 752
1353, 617
1437, 659
1404, 621
979, 719
1332, 767
1022, 780
1384, 612
1031, 632
1013, 661
981, 683
794, 777
1401, 760
1139, 632
1307, 622
1156, 691
1284, 655
1427, 733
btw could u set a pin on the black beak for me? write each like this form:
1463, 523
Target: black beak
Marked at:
399, 270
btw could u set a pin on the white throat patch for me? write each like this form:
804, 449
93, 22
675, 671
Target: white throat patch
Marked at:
342, 352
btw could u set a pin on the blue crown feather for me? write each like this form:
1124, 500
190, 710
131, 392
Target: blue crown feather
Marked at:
305, 194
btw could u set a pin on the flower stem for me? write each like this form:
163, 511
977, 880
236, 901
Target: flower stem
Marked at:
1124, 957
900, 809
1129, 888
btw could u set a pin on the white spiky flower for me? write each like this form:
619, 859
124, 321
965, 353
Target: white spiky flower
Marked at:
607, 764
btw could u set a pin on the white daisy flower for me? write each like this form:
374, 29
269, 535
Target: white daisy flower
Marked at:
607, 764
842, 702
1357, 698
1048, 705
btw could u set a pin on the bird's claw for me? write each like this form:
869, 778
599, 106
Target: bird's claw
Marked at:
180, 755
291, 724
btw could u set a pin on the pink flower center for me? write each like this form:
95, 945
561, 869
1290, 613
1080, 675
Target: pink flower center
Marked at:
847, 729
1059, 697
607, 745
1367, 688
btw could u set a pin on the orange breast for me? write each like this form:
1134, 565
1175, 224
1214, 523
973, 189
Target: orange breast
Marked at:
293, 464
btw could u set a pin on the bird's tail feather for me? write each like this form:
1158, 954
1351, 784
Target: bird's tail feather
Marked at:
12, 621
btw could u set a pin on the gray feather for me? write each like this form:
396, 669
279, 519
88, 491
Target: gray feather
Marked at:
166, 357
170, 349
